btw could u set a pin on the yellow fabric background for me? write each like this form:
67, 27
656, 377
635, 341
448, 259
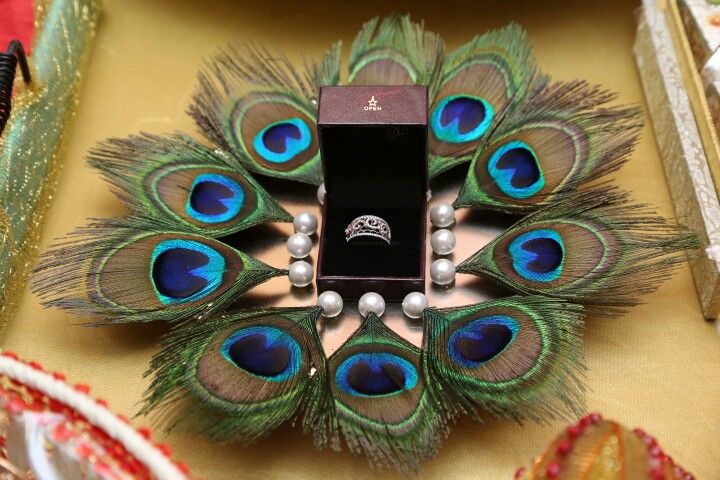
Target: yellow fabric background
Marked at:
656, 367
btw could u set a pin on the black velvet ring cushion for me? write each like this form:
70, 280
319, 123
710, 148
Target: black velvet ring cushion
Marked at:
373, 165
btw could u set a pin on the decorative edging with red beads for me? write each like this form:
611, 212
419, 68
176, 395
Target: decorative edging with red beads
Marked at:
658, 461
564, 447
28, 388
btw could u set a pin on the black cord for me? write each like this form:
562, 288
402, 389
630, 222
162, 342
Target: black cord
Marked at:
8, 64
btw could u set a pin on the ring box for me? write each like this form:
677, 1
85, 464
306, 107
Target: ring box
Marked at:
373, 144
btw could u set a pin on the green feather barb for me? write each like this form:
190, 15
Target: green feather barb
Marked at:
595, 248
481, 81
516, 357
256, 107
240, 376
396, 51
158, 178
382, 404
125, 271
559, 138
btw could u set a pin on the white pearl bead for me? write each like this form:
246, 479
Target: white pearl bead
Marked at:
442, 271
305, 222
321, 193
300, 273
331, 303
442, 215
414, 304
371, 302
443, 241
299, 245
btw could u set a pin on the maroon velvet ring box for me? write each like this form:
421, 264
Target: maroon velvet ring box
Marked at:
373, 144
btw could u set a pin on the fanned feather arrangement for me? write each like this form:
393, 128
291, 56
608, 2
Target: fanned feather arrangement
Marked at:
531, 147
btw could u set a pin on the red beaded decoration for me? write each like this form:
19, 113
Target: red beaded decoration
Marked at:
597, 449
106, 455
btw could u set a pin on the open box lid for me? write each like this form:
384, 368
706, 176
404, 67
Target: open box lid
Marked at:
385, 171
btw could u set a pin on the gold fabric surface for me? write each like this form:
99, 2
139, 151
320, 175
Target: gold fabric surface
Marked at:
657, 367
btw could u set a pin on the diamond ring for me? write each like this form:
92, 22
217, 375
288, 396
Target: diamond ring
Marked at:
368, 226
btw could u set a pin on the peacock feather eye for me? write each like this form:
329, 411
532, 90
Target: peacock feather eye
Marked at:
214, 198
481, 340
185, 270
264, 351
538, 255
461, 118
282, 141
515, 169
516, 357
274, 133
375, 374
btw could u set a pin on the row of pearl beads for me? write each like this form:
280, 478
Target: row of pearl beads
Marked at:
299, 246
442, 271
442, 241
332, 304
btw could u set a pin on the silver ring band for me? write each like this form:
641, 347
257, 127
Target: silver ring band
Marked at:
368, 226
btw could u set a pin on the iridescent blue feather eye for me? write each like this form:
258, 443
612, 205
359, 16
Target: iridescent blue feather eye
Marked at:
281, 141
375, 374
481, 340
461, 118
538, 255
263, 351
214, 198
515, 169
183, 271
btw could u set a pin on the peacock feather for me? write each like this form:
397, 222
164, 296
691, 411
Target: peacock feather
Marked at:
254, 105
595, 248
181, 184
516, 357
123, 270
559, 138
481, 81
241, 375
395, 51
382, 404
